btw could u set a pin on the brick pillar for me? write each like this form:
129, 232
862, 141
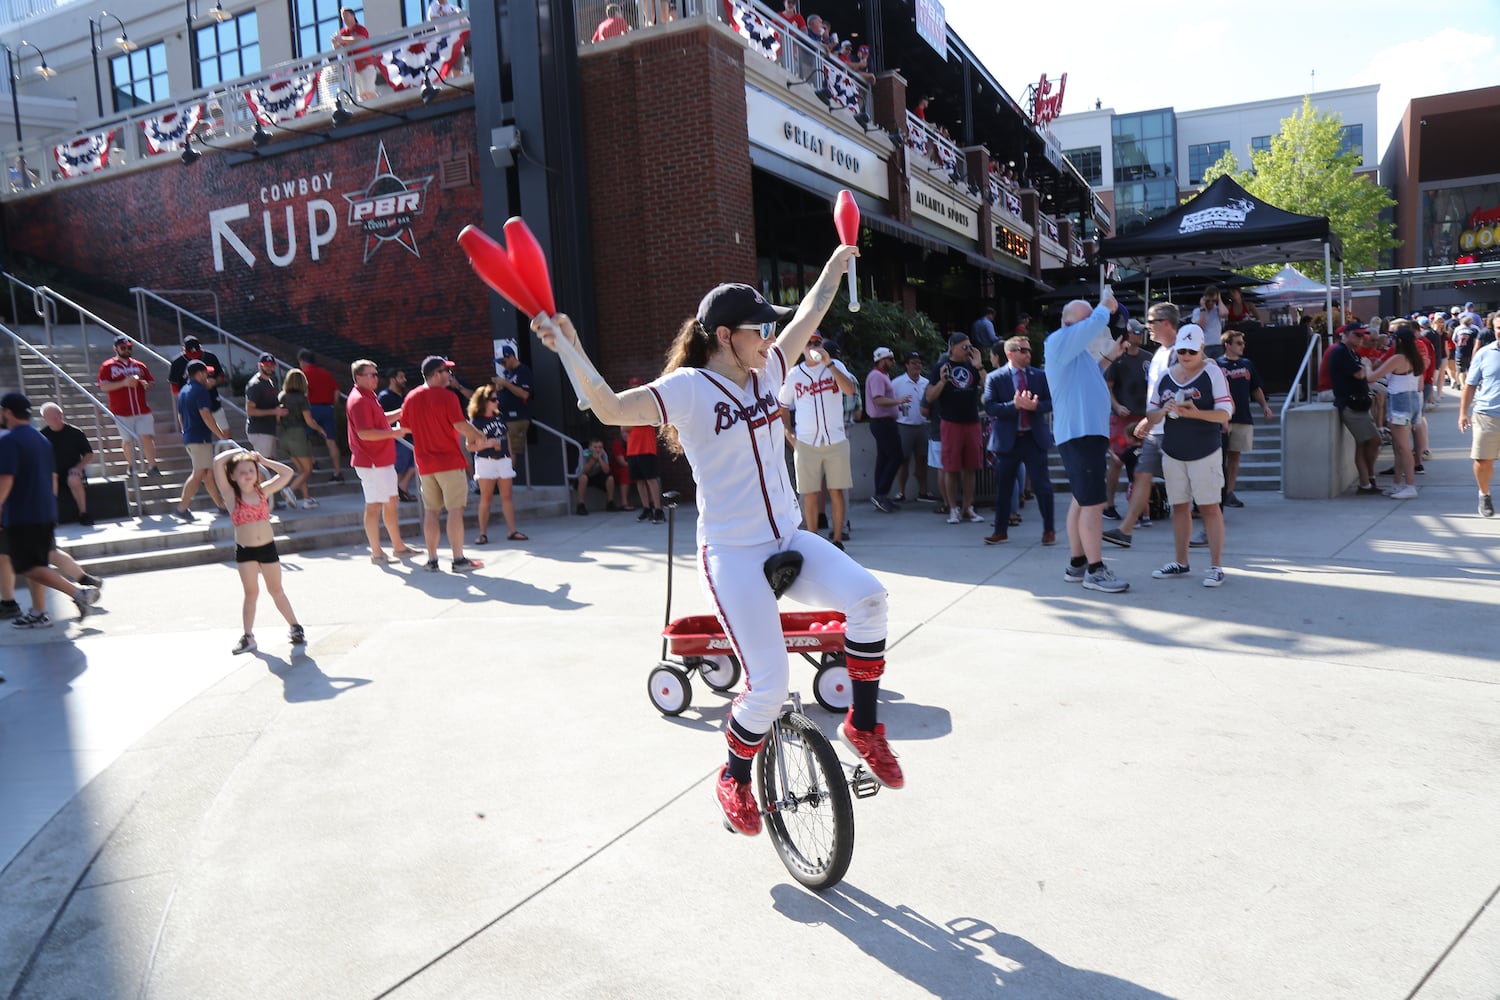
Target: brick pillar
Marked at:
1031, 212
977, 163
1065, 237
890, 114
667, 155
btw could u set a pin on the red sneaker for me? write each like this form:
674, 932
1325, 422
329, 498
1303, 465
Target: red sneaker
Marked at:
873, 750
737, 799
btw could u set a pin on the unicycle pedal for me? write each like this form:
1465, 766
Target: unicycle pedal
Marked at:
863, 783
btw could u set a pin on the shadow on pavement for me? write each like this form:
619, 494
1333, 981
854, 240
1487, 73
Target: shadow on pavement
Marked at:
962, 958
302, 679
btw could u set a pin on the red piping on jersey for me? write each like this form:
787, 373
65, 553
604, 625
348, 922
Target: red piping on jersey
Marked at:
765, 495
713, 593
661, 407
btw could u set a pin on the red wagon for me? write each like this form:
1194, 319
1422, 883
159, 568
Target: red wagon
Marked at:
701, 646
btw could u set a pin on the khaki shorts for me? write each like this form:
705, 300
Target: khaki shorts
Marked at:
446, 490
1200, 481
1486, 446
144, 424
814, 463
516, 431
202, 455
1361, 425
1241, 437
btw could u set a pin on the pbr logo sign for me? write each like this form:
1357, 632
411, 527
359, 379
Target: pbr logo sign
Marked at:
386, 208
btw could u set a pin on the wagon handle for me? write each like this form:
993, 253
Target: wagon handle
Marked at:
669, 501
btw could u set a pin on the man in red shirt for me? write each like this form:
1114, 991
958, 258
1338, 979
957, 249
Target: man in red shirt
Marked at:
348, 37
435, 419
126, 380
322, 393
372, 452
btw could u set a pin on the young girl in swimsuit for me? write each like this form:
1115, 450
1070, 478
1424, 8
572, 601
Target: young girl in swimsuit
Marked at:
238, 476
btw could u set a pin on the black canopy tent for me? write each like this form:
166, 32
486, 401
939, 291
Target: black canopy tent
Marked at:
1225, 226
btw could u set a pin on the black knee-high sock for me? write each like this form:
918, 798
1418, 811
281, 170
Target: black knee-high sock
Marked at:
739, 768
865, 695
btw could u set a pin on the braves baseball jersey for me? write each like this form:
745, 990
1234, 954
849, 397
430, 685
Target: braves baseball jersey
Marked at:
733, 441
1190, 440
816, 402
131, 400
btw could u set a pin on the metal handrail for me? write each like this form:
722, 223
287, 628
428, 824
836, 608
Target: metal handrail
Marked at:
225, 337
100, 408
1308, 368
563, 441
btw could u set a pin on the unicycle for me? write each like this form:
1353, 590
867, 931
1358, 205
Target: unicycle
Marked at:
805, 799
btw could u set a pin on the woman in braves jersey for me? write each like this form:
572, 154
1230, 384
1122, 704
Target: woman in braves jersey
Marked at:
717, 396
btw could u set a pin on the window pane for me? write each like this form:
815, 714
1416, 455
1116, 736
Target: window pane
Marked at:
250, 59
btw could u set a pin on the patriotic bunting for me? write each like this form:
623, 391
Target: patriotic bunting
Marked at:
410, 63
755, 29
84, 154
844, 88
165, 133
283, 99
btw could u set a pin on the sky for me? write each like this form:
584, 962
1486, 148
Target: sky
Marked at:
1168, 53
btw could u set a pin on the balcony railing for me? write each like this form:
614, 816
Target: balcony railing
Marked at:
294, 96
924, 143
838, 86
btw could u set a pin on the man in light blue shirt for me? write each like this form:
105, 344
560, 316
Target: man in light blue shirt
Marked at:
1080, 424
1482, 392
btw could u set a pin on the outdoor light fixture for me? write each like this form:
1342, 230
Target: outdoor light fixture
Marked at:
189, 154
428, 90
341, 115
96, 45
260, 136
219, 13
12, 60
505, 143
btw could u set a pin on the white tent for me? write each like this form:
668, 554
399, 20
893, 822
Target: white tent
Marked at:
1291, 287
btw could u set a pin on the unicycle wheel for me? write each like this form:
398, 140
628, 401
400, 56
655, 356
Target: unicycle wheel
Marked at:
809, 813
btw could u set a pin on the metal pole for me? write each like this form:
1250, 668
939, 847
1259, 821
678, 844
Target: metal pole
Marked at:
15, 85
94, 34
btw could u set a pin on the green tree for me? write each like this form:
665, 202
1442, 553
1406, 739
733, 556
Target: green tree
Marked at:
880, 324
1304, 172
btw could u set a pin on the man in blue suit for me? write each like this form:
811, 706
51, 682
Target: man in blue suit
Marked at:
1017, 399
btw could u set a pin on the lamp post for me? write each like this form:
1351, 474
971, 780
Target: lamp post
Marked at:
12, 58
96, 43
190, 11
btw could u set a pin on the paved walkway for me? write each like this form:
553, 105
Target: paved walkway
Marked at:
1284, 787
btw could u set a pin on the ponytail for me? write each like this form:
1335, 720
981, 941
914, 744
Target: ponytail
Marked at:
691, 348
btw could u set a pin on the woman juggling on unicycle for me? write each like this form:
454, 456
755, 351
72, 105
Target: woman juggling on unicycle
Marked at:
716, 399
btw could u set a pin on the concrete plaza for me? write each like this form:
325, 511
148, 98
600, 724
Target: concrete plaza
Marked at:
1283, 787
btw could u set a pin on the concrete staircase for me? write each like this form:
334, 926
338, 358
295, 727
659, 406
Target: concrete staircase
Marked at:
155, 540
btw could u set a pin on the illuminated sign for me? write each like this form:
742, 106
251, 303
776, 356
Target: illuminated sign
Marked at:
1013, 243
1045, 105
932, 25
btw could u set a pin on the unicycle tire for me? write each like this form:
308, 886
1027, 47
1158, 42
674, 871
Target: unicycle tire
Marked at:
811, 821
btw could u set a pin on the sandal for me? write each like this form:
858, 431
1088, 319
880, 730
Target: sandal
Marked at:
516, 536
482, 540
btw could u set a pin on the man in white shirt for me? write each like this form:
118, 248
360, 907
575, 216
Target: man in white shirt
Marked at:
910, 386
813, 397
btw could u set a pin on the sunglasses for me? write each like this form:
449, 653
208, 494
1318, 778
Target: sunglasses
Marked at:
766, 330
1020, 350
1183, 351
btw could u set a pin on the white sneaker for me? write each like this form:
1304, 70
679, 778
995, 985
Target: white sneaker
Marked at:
972, 516
953, 516
1214, 577
1407, 492
309, 503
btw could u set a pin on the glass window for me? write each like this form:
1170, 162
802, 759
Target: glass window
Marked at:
139, 78
413, 12
318, 21
1201, 156
1352, 140
1260, 144
1145, 146
228, 50
1089, 161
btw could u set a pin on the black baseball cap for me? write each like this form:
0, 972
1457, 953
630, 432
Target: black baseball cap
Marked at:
267, 358
432, 363
735, 305
122, 339
191, 341
17, 404
914, 356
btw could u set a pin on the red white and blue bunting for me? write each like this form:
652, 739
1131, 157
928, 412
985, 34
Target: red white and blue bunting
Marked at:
165, 133
84, 154
410, 64
845, 88
755, 29
284, 99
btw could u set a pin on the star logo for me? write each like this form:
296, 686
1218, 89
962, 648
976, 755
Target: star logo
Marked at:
386, 207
